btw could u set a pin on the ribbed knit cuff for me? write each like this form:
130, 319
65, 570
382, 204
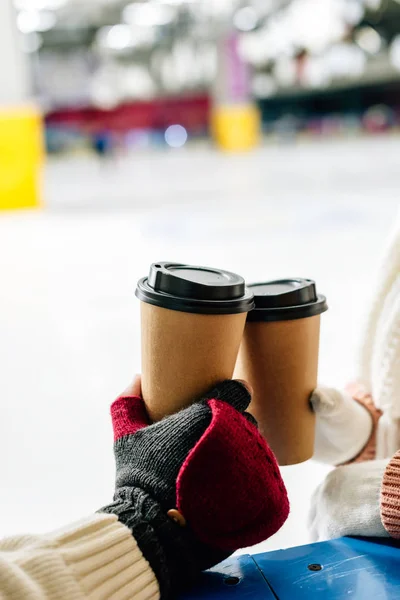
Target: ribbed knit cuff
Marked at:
106, 560
390, 497
359, 394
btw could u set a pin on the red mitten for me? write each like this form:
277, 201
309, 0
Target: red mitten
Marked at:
229, 487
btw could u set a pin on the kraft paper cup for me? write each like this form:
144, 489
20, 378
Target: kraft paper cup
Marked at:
279, 358
192, 322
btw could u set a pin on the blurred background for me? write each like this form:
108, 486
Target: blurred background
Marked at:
260, 136
131, 73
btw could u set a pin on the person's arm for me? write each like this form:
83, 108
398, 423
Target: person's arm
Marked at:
190, 490
195, 486
347, 502
358, 499
96, 557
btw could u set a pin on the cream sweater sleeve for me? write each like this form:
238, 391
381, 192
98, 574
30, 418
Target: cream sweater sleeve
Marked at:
96, 558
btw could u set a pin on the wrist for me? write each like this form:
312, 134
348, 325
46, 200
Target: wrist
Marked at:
364, 399
174, 554
105, 559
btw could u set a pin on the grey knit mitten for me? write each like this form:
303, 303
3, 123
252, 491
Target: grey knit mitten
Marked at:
211, 467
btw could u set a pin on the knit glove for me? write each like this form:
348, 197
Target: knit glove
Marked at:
343, 426
207, 463
348, 502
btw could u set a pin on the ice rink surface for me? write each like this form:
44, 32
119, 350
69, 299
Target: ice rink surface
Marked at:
69, 321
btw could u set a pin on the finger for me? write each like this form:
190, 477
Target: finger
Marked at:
134, 389
246, 385
250, 418
326, 401
234, 392
128, 413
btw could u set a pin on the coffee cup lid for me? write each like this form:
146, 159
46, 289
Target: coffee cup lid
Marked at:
286, 299
194, 289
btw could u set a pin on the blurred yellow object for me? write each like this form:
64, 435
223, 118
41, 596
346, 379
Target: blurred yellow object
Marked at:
21, 157
236, 128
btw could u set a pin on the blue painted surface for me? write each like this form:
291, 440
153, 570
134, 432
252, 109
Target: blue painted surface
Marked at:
214, 583
355, 568
351, 568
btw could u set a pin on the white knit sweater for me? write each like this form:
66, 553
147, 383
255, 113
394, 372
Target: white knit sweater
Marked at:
379, 356
96, 558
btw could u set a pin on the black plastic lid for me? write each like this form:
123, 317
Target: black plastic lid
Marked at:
194, 289
286, 299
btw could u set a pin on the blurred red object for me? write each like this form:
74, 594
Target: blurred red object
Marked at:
192, 112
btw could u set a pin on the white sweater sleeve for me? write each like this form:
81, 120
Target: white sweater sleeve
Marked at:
96, 558
379, 356
389, 271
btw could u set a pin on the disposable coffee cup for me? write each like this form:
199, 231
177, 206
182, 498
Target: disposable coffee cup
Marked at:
192, 322
279, 358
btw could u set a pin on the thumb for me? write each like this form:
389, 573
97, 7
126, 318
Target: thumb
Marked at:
134, 388
128, 412
235, 392
326, 401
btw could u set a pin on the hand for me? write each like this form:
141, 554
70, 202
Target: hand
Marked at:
348, 502
206, 463
343, 426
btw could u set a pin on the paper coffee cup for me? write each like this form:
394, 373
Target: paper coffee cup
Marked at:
192, 322
279, 358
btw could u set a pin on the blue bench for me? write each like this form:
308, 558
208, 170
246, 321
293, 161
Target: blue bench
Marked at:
346, 568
